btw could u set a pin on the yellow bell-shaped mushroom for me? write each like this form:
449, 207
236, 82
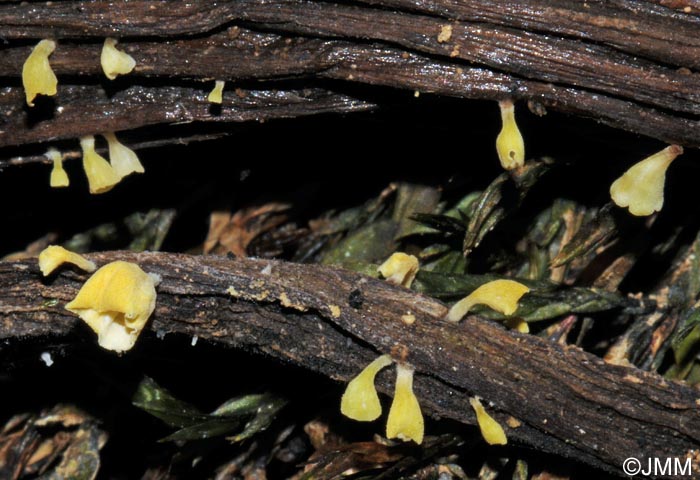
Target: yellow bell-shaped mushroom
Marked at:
37, 76
360, 400
641, 188
491, 430
100, 174
116, 303
509, 143
405, 418
59, 177
400, 269
500, 295
54, 256
123, 159
115, 62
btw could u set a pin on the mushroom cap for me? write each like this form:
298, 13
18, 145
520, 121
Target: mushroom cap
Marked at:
500, 295
115, 62
509, 143
37, 76
405, 417
116, 303
491, 430
360, 400
641, 188
53, 256
400, 269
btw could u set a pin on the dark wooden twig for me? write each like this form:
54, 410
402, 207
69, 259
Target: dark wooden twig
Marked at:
636, 27
659, 29
243, 54
75, 152
564, 400
518, 52
88, 110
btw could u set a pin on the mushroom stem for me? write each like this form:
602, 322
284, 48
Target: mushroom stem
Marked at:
405, 418
509, 143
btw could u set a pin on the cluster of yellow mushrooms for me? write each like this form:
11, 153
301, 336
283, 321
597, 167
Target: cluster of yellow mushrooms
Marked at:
640, 189
405, 421
118, 299
39, 79
115, 302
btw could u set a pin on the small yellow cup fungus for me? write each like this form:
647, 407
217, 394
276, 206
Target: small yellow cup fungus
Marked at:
37, 76
360, 400
59, 177
54, 256
217, 93
491, 430
641, 188
509, 143
405, 418
400, 269
100, 174
115, 62
123, 159
116, 303
500, 295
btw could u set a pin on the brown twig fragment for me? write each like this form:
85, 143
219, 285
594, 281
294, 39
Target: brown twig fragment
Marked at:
627, 64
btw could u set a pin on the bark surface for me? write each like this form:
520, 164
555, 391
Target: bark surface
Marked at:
629, 64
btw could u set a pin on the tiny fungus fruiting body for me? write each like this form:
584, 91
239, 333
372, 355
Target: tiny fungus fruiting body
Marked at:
100, 174
116, 302
491, 430
360, 400
400, 269
518, 324
59, 177
641, 188
509, 143
115, 62
124, 160
405, 418
217, 93
37, 76
54, 256
500, 295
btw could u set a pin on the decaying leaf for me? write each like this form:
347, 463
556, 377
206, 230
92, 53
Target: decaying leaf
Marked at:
595, 232
375, 459
160, 403
373, 241
254, 412
369, 244
413, 200
501, 197
234, 233
138, 231
148, 230
349, 459
59, 443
